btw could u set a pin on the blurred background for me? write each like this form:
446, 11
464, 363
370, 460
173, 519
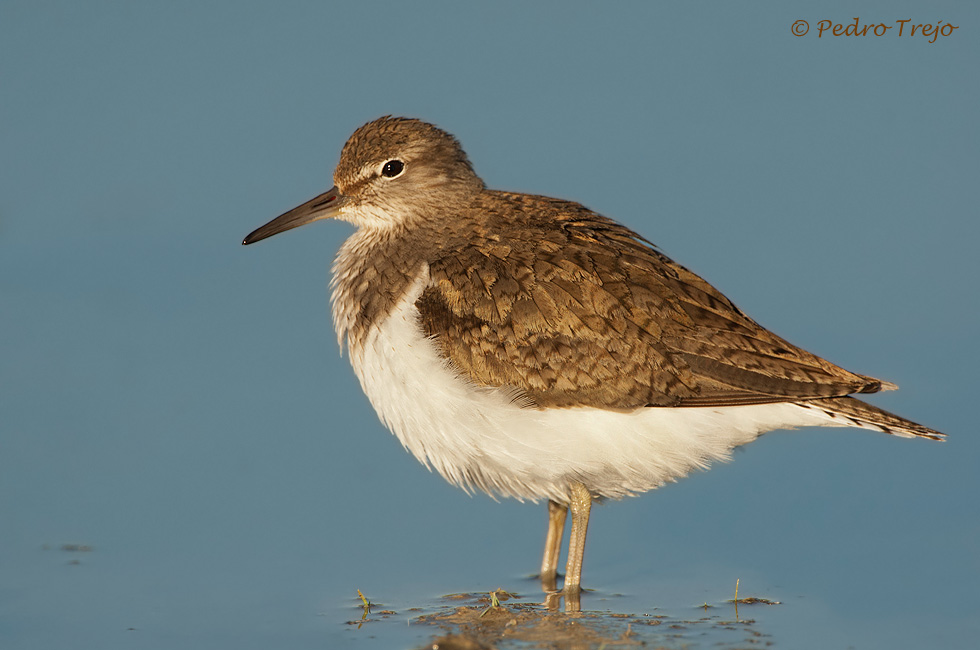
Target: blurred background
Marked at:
187, 461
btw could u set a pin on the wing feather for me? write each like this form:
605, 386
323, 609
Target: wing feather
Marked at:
572, 309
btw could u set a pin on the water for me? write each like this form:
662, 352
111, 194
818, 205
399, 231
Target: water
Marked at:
177, 404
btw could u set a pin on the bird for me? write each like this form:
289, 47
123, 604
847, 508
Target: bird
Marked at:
529, 347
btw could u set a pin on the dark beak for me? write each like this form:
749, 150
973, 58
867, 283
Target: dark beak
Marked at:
325, 206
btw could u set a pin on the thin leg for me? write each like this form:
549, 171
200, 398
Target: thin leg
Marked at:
581, 506
552, 546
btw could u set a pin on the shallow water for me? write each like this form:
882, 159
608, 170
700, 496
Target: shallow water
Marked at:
475, 621
251, 566
174, 409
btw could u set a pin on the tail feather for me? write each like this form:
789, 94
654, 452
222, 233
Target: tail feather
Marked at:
854, 412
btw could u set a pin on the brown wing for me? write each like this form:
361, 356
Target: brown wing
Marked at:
573, 309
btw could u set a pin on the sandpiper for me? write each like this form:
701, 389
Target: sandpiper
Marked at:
528, 347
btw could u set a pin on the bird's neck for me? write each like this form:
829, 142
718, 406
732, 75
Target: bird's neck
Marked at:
375, 267
371, 273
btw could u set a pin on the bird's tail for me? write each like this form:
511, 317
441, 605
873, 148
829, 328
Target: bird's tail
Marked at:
853, 412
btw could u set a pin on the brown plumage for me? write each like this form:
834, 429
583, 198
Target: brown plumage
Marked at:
574, 309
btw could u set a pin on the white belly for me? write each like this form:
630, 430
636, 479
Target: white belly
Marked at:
480, 438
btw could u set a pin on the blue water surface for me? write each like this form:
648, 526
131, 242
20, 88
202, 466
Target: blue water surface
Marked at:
187, 461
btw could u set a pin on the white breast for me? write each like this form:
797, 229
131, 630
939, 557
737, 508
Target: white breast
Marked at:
481, 438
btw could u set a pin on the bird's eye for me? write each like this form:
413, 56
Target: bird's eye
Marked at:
392, 168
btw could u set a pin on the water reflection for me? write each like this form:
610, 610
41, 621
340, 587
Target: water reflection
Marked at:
501, 620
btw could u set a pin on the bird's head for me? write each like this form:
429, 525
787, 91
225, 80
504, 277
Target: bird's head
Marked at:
391, 171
